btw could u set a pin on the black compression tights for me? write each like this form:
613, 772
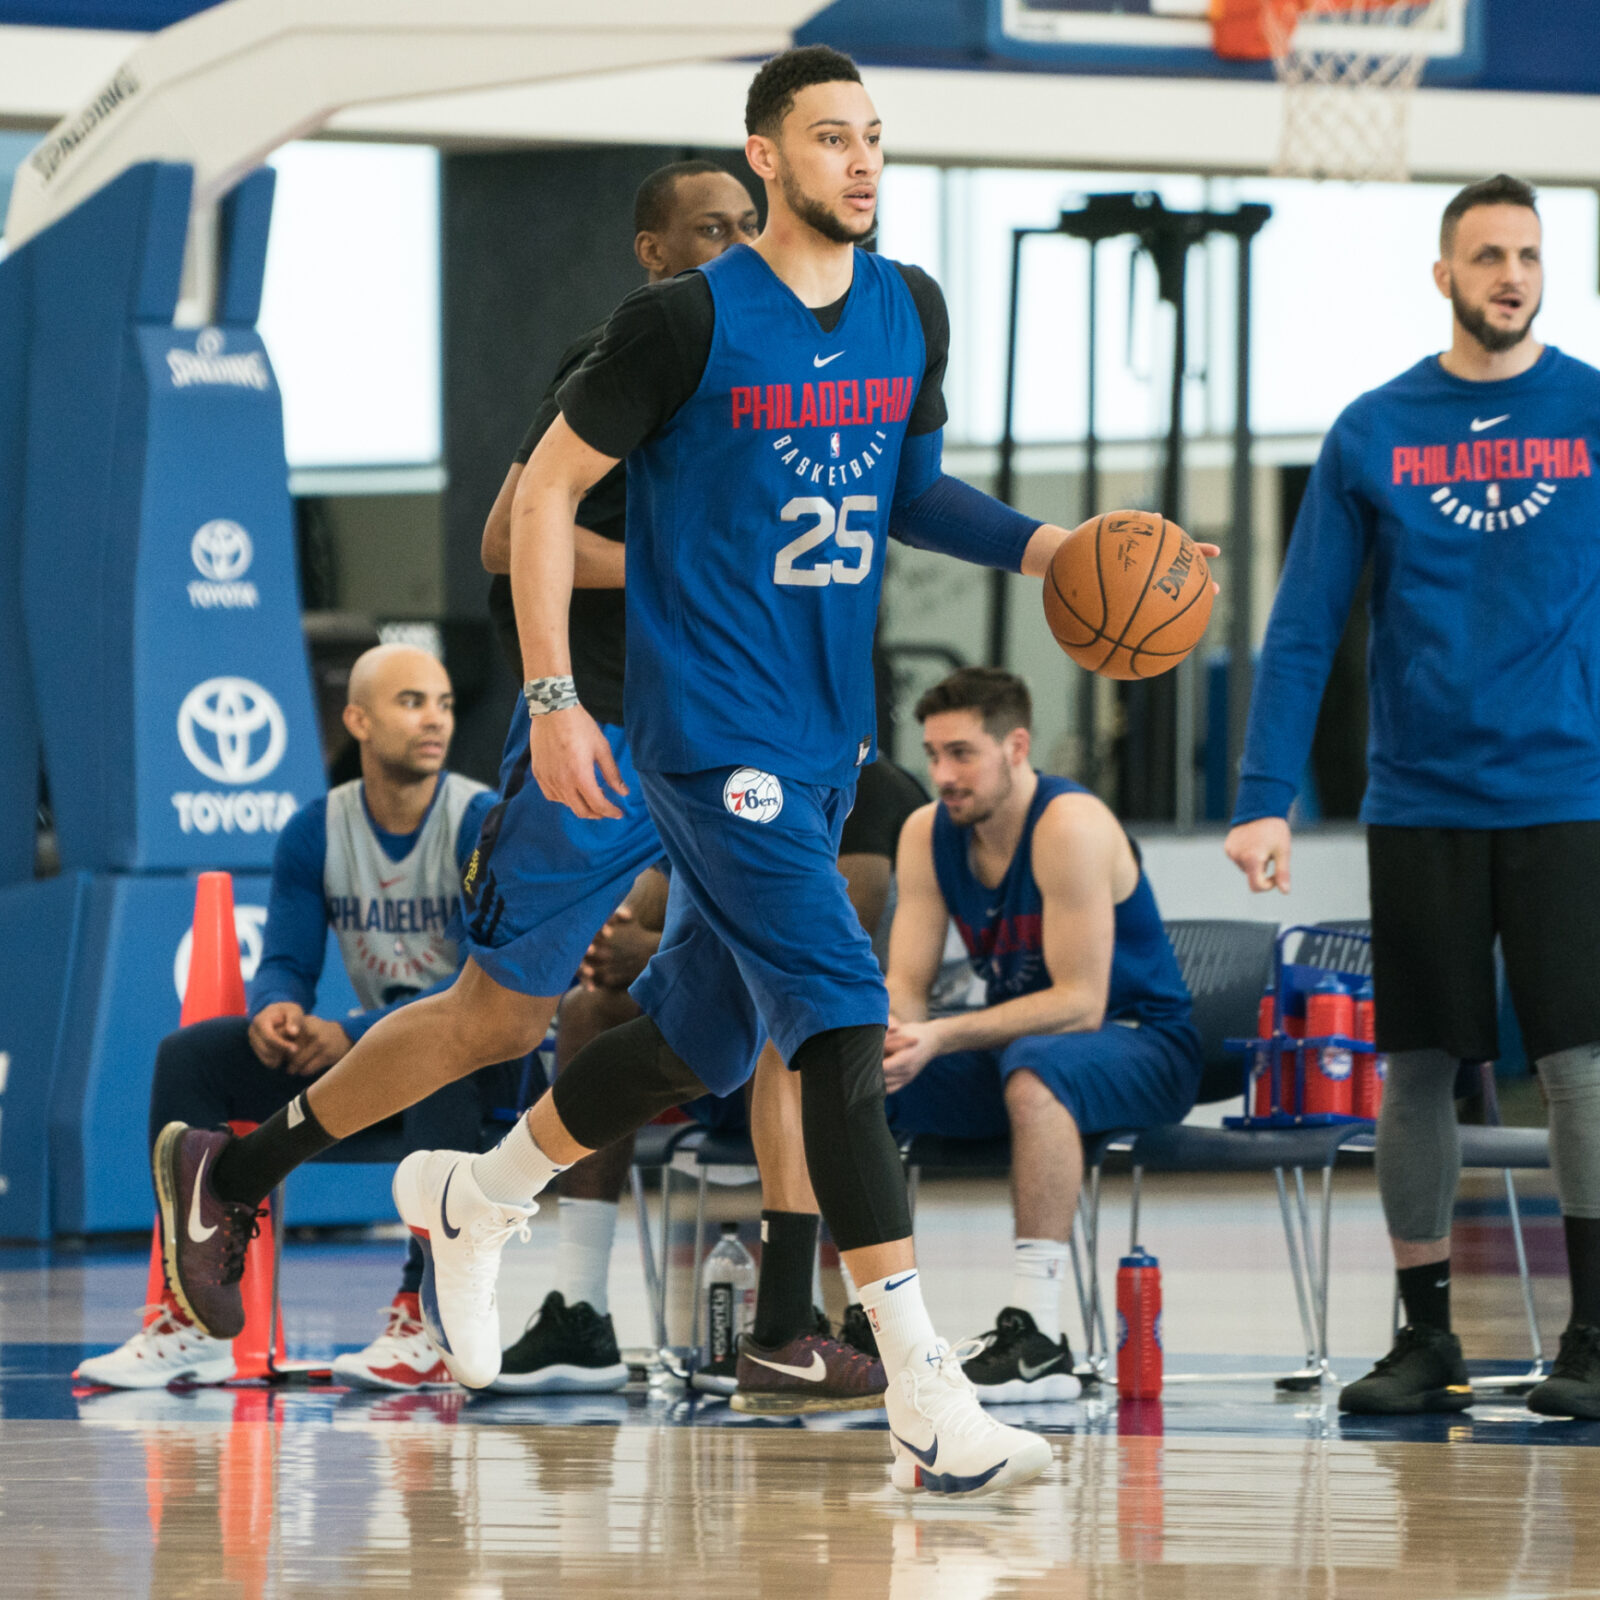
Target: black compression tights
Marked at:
854, 1161
619, 1082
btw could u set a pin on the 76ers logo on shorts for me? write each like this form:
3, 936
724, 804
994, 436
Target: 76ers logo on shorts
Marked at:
755, 796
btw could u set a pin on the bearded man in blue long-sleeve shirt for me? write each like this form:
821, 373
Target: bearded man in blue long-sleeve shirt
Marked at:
1469, 484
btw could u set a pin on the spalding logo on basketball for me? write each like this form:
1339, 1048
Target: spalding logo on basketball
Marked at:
755, 796
1128, 595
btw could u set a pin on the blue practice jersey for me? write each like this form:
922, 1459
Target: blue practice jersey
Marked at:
1003, 927
757, 523
1478, 505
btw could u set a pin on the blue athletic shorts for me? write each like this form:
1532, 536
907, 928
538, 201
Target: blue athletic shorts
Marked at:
542, 881
760, 937
1115, 1077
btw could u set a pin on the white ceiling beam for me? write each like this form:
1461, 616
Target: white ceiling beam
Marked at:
985, 118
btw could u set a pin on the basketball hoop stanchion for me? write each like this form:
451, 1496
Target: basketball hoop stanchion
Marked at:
1348, 70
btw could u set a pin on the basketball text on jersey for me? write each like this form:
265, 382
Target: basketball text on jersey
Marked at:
1486, 460
428, 914
1541, 463
390, 917
850, 401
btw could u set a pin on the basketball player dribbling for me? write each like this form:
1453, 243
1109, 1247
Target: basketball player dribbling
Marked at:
765, 407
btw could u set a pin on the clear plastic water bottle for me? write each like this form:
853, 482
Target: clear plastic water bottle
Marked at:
730, 1300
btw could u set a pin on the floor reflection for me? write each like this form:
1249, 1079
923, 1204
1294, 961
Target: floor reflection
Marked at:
251, 1493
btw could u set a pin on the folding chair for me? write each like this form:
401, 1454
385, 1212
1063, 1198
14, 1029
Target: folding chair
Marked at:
655, 1147
1227, 965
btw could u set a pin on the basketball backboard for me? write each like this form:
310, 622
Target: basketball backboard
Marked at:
1173, 37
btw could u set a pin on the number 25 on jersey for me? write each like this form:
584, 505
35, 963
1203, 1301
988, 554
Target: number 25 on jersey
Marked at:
826, 523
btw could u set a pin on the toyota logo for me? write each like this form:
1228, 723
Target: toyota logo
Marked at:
209, 342
232, 730
221, 550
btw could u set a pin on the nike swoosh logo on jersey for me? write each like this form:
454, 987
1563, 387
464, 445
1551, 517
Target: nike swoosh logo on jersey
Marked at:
389, 883
924, 1456
444, 1215
1030, 1373
1478, 424
822, 361
196, 1232
815, 1373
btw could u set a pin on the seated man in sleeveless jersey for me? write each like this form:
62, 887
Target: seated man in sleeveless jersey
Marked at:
379, 861
1087, 1022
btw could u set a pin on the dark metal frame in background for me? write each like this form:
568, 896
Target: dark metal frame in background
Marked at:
1166, 236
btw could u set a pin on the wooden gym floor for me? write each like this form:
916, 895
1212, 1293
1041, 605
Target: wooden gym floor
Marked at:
1222, 1488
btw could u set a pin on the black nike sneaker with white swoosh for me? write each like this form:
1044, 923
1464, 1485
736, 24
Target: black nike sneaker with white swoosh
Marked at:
811, 1373
203, 1239
1019, 1363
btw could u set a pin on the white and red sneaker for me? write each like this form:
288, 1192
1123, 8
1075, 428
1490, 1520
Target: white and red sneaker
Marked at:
167, 1349
401, 1357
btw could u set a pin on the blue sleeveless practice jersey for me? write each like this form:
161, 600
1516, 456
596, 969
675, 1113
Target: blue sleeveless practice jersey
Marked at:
1003, 927
757, 524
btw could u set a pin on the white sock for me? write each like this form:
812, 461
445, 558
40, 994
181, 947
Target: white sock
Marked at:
852, 1295
583, 1250
516, 1169
1037, 1268
899, 1319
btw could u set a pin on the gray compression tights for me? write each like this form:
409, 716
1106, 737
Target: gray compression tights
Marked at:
1571, 1080
1419, 1148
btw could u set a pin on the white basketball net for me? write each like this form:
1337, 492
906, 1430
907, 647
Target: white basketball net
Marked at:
1348, 69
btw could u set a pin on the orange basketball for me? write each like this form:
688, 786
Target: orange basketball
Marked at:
1128, 595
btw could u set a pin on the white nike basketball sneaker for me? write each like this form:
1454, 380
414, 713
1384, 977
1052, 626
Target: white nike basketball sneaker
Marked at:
943, 1440
462, 1233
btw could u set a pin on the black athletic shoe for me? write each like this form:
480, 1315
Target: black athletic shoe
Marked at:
1019, 1363
1424, 1372
856, 1331
1573, 1387
564, 1350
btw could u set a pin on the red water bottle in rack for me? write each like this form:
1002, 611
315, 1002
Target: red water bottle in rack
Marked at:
1330, 1010
1261, 1060
1370, 1066
1294, 1026
1139, 1326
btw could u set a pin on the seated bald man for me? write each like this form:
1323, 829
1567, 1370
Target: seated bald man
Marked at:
379, 861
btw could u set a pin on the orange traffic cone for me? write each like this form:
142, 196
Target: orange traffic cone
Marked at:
216, 982
216, 989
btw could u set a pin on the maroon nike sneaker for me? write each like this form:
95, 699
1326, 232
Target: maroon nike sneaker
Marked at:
811, 1373
203, 1239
